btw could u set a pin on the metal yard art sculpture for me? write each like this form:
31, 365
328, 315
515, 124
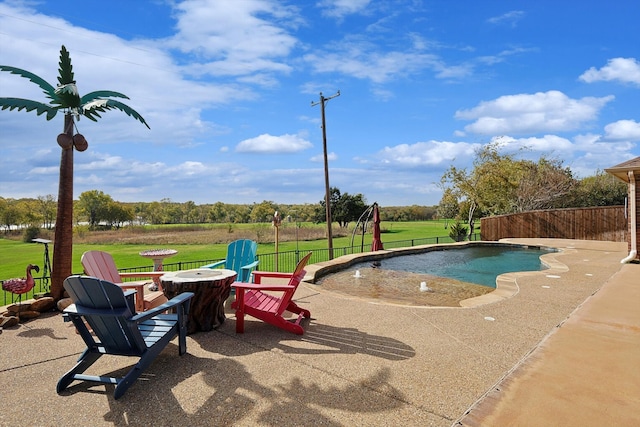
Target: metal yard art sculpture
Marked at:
65, 97
19, 286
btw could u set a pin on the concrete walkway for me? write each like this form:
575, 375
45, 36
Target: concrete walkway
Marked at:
564, 350
586, 373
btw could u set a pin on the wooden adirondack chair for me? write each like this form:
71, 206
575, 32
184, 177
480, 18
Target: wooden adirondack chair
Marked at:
251, 300
121, 332
101, 265
241, 257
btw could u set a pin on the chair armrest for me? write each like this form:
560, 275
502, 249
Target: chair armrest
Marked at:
258, 275
245, 271
80, 310
250, 266
259, 287
177, 300
215, 264
143, 274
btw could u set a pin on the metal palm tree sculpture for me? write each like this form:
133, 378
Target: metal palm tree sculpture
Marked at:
65, 97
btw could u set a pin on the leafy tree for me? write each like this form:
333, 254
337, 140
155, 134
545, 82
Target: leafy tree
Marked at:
190, 212
469, 185
29, 212
65, 97
239, 214
117, 214
601, 189
349, 208
47, 207
217, 212
448, 207
408, 213
344, 207
263, 212
543, 185
153, 213
300, 213
171, 212
3, 206
499, 183
10, 214
95, 205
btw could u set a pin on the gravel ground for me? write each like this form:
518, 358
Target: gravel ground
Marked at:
358, 363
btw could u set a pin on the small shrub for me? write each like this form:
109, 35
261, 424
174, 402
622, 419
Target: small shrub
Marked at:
458, 232
30, 233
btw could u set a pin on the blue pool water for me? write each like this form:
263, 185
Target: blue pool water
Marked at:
477, 264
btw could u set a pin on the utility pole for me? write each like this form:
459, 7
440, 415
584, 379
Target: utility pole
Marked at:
327, 196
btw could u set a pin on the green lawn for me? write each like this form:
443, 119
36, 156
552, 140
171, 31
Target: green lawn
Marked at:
15, 255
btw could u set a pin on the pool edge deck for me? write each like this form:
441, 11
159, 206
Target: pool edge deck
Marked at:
585, 373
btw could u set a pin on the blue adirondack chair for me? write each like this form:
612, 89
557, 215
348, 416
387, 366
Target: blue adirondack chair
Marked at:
109, 311
241, 257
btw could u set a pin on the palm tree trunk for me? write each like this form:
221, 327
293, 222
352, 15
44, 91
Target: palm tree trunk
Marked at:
63, 238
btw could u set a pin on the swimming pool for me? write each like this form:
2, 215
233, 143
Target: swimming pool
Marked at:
442, 275
474, 264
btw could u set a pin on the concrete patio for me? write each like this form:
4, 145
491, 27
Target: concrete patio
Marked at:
564, 350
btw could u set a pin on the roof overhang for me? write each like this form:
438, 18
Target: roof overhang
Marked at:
621, 171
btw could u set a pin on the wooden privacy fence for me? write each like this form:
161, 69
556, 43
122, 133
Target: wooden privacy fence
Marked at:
598, 223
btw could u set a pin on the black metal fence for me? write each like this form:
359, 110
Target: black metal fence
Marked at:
282, 261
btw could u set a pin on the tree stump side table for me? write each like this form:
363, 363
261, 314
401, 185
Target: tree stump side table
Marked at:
211, 288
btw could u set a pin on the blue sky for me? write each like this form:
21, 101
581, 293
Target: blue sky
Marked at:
227, 88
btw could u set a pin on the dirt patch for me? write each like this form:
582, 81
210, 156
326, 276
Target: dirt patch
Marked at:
190, 234
399, 287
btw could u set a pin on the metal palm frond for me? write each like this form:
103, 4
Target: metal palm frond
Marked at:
47, 88
91, 109
99, 94
66, 69
28, 105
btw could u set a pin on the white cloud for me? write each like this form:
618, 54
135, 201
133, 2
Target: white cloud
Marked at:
340, 8
593, 145
235, 38
360, 61
623, 130
266, 143
625, 70
425, 153
320, 157
509, 18
545, 144
550, 111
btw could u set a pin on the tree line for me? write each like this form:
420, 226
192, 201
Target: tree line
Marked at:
100, 211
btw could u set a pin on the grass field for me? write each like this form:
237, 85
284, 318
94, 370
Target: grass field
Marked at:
195, 243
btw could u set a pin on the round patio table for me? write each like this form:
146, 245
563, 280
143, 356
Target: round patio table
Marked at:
158, 256
211, 288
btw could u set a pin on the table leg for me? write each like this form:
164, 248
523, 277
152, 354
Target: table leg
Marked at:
157, 266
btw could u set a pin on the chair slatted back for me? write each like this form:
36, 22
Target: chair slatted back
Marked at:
296, 278
100, 264
108, 316
240, 253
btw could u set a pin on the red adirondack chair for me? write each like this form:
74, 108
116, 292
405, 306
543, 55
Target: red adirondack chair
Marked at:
101, 265
252, 300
